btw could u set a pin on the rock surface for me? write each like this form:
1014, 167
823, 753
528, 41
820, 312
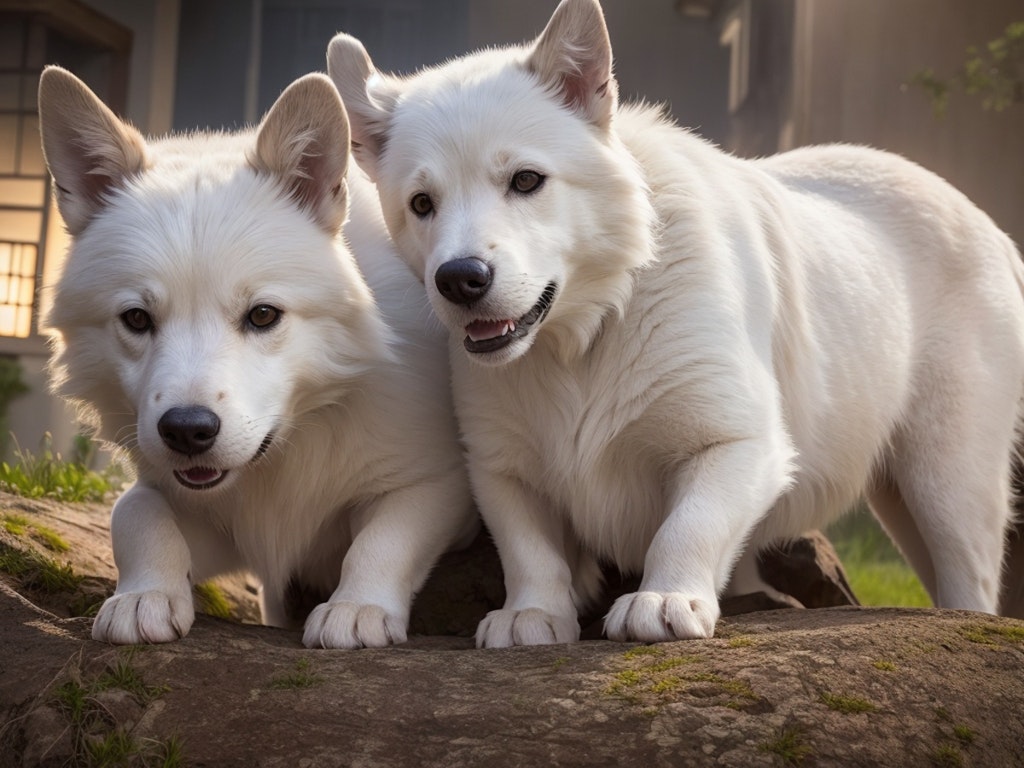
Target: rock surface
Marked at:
836, 686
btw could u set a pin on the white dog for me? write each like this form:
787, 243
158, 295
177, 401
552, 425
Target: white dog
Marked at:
663, 353
214, 325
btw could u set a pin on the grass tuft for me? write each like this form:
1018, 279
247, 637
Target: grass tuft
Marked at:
16, 525
122, 675
36, 571
643, 650
47, 474
964, 734
847, 704
99, 740
985, 634
302, 677
948, 756
788, 746
210, 600
49, 538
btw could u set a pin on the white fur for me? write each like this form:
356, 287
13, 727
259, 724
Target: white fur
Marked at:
364, 484
737, 349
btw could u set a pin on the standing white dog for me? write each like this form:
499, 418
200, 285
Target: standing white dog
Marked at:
663, 353
212, 323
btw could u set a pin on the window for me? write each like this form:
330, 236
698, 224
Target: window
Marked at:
32, 238
24, 188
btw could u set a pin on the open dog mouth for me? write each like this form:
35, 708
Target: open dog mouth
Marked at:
204, 478
492, 335
200, 478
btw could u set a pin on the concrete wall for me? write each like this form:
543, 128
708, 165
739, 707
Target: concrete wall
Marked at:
660, 55
853, 59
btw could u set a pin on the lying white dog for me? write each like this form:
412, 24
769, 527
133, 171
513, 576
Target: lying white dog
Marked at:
663, 353
212, 323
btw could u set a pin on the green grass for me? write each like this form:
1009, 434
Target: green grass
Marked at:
302, 677
874, 567
19, 525
848, 705
99, 740
210, 599
947, 756
35, 571
788, 747
47, 474
964, 733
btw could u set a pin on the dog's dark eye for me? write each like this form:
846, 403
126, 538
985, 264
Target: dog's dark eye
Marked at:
421, 204
526, 182
137, 320
263, 316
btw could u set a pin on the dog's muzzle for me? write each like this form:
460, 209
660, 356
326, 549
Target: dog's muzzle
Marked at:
491, 335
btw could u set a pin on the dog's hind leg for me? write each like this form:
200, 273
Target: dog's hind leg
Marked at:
951, 464
892, 513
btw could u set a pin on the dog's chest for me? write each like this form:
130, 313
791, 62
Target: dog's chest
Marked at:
581, 439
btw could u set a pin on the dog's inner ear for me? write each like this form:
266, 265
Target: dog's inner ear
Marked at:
89, 151
573, 57
352, 71
304, 142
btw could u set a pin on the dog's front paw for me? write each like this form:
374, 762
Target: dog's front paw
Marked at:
653, 617
532, 626
350, 625
131, 618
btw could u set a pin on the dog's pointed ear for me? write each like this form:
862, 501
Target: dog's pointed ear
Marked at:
573, 57
88, 149
368, 96
304, 142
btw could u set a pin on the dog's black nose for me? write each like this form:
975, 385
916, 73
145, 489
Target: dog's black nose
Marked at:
189, 429
463, 281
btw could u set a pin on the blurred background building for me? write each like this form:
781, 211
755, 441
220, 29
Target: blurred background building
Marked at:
755, 76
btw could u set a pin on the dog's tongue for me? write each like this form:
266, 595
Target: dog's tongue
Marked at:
481, 330
201, 475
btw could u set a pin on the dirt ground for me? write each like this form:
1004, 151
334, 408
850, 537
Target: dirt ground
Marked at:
835, 686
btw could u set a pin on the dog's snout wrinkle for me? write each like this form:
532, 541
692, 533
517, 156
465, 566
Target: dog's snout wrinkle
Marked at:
190, 430
463, 281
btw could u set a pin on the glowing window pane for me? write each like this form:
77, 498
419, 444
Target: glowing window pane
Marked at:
17, 288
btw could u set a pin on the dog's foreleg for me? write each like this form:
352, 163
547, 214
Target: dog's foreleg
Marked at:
396, 541
539, 606
153, 600
722, 493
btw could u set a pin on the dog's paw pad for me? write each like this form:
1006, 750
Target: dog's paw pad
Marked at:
350, 625
652, 617
532, 626
143, 617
